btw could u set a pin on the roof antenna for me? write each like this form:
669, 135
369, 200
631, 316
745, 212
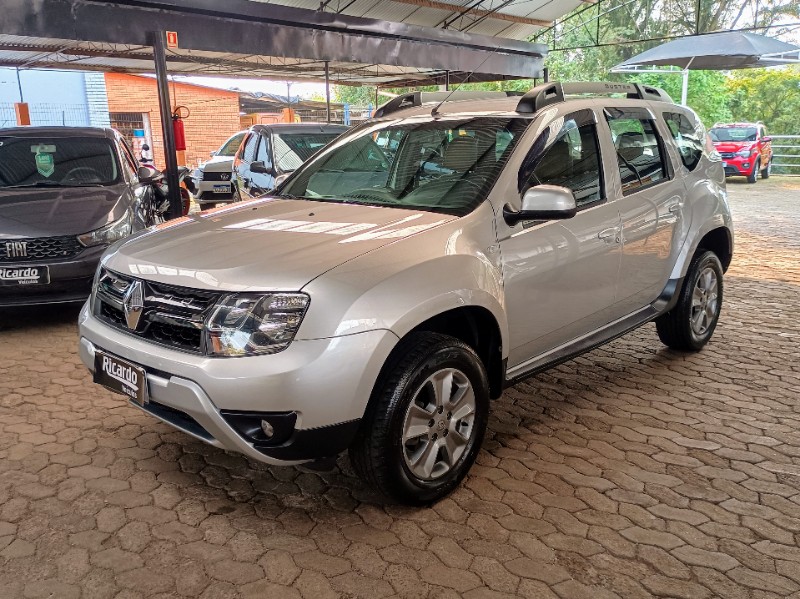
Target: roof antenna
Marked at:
435, 111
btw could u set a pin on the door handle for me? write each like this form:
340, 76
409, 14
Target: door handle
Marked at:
676, 208
610, 235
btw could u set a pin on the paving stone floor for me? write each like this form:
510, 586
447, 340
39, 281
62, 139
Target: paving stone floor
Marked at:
630, 472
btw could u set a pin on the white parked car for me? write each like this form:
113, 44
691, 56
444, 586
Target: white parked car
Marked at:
212, 179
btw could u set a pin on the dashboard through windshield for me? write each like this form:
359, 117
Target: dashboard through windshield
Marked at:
444, 165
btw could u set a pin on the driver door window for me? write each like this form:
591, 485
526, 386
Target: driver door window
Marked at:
571, 161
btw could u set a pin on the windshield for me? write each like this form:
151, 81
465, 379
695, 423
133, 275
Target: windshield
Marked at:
446, 165
734, 134
56, 162
230, 147
293, 149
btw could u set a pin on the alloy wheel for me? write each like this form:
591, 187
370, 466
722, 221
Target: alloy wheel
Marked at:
705, 303
438, 424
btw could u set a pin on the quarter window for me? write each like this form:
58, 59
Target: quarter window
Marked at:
571, 161
639, 155
264, 153
249, 151
689, 135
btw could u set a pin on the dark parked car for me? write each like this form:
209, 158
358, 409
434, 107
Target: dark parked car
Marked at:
66, 194
271, 151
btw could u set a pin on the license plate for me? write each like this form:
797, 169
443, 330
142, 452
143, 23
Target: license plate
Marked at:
24, 275
222, 189
121, 376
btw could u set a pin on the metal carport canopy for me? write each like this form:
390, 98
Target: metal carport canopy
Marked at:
254, 39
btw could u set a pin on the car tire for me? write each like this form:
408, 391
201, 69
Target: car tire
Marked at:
691, 323
753, 177
415, 443
765, 173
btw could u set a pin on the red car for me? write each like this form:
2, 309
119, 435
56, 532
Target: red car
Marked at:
746, 149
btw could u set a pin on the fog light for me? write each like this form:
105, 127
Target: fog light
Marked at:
746, 165
267, 429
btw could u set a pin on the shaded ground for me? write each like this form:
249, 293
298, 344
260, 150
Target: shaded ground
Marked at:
633, 471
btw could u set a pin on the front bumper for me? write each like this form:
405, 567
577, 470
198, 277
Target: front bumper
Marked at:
735, 167
325, 382
206, 194
70, 281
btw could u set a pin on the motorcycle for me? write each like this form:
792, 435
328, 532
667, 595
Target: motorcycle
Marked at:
158, 181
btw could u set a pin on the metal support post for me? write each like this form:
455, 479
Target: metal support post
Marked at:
159, 40
546, 75
327, 91
447, 81
685, 86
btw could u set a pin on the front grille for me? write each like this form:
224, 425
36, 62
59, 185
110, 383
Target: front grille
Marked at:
212, 176
39, 249
172, 316
728, 154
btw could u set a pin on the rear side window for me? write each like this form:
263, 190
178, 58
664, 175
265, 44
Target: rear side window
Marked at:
689, 135
571, 160
249, 151
639, 155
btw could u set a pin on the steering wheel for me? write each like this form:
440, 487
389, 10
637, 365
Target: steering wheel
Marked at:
98, 176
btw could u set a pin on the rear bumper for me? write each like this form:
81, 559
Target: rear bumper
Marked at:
70, 282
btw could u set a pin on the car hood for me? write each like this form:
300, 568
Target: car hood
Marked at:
732, 146
49, 212
264, 245
218, 163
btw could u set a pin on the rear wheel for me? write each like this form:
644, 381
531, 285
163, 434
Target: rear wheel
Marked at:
753, 177
690, 324
765, 173
426, 420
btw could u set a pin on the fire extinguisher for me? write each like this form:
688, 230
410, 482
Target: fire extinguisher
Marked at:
180, 113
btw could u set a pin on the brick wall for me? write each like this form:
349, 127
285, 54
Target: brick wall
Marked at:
214, 113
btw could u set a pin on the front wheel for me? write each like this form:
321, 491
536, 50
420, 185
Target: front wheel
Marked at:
765, 173
426, 420
690, 324
753, 177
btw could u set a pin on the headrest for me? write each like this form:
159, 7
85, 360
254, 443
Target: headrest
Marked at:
461, 154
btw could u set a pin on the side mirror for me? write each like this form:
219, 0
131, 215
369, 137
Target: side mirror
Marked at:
146, 174
212, 154
766, 139
259, 167
543, 202
280, 179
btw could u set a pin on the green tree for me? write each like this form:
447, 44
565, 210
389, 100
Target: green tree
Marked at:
768, 95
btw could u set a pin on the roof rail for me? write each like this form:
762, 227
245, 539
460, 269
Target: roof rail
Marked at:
541, 96
551, 93
412, 99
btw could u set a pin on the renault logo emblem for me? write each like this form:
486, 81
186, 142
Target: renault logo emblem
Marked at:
133, 303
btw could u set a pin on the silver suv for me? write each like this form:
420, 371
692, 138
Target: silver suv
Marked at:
413, 269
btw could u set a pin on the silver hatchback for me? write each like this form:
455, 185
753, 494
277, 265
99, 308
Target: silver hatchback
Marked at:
414, 268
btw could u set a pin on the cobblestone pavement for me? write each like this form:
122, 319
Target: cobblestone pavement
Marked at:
633, 471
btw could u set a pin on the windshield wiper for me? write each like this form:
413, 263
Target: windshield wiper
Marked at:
49, 184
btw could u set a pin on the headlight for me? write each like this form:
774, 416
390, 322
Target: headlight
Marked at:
252, 325
108, 234
745, 153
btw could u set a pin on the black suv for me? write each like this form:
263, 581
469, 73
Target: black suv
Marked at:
269, 152
66, 194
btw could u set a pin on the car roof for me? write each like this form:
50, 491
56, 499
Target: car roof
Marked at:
731, 125
590, 94
307, 127
58, 131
